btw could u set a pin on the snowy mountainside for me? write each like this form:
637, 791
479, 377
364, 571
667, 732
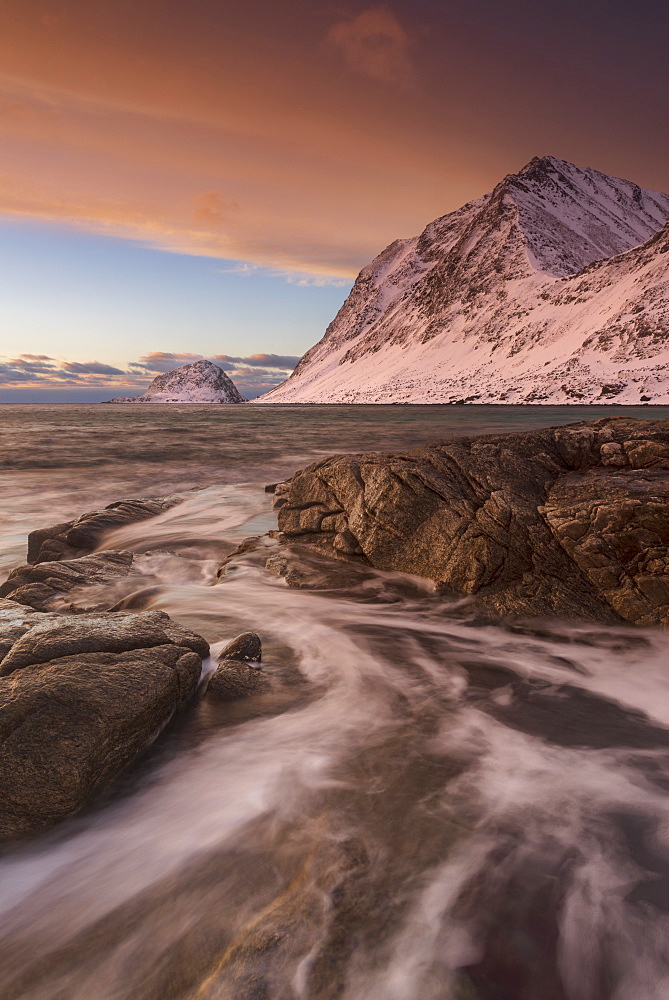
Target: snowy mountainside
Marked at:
199, 382
553, 288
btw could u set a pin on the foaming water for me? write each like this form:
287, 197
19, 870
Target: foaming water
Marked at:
420, 808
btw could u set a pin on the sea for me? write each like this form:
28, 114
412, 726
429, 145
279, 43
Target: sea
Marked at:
425, 807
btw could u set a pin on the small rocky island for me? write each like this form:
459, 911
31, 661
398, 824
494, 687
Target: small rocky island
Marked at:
199, 382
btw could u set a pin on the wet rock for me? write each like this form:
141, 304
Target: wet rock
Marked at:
248, 544
280, 491
247, 646
40, 586
79, 698
615, 527
138, 600
234, 679
252, 551
73, 538
306, 568
239, 673
105, 632
17, 619
502, 519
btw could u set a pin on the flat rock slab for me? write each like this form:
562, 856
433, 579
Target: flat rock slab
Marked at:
79, 698
481, 517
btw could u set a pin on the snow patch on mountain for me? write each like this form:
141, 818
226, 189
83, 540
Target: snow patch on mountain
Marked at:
553, 288
199, 382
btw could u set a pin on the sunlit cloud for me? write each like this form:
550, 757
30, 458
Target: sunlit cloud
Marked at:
253, 375
236, 150
375, 43
244, 269
162, 361
283, 362
23, 363
89, 368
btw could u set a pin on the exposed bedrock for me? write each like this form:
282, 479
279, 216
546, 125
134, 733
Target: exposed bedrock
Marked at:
42, 585
572, 521
80, 696
74, 538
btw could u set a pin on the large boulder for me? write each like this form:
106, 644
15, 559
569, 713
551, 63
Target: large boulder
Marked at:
570, 521
79, 698
74, 538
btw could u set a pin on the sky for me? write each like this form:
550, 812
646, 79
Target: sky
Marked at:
205, 178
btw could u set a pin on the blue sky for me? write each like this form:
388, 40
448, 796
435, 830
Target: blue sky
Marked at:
73, 296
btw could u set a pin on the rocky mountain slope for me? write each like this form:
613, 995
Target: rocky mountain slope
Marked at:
553, 288
199, 382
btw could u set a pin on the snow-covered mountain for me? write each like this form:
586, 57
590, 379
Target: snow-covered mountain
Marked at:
199, 382
553, 288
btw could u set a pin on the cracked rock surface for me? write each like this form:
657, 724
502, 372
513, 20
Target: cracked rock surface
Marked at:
79, 698
75, 538
570, 521
81, 694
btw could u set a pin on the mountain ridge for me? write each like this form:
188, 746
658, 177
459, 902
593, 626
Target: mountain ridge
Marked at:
486, 304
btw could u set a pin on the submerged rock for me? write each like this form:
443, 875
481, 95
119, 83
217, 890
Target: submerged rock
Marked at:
79, 698
236, 679
239, 673
570, 521
247, 646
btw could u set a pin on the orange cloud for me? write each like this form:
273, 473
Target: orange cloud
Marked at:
376, 44
303, 146
221, 142
211, 209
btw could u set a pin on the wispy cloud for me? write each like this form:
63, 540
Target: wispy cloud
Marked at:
375, 44
89, 368
302, 278
284, 362
162, 361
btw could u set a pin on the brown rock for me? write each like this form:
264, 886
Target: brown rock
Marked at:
247, 646
236, 679
492, 517
79, 698
40, 586
74, 538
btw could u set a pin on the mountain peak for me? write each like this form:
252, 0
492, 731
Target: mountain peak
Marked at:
552, 288
540, 165
572, 216
197, 382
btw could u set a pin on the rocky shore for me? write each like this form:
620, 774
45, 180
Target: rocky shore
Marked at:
570, 521
84, 690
